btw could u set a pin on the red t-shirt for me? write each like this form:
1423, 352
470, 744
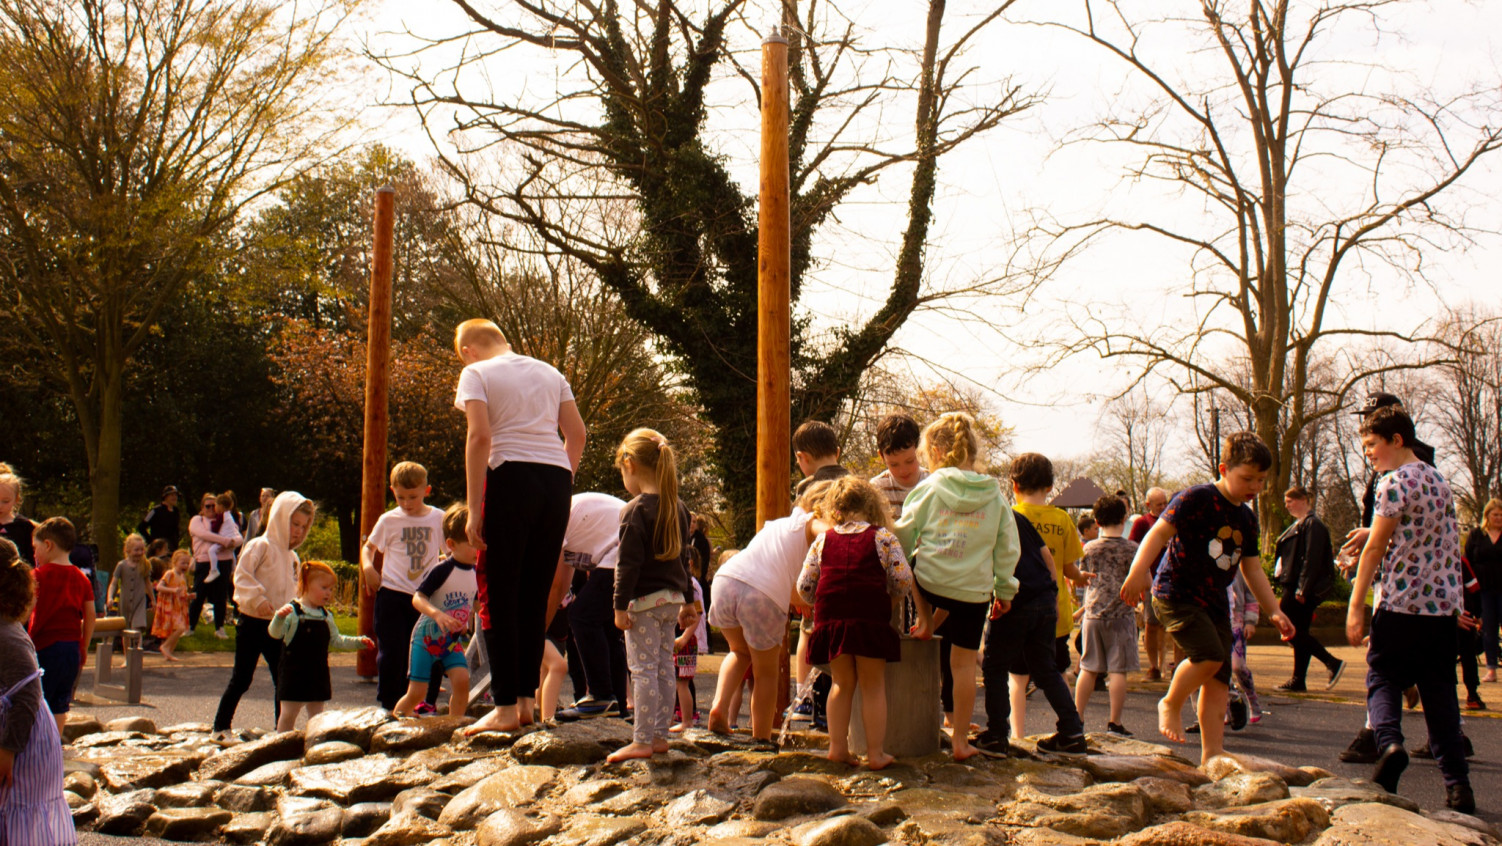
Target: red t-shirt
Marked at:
63, 594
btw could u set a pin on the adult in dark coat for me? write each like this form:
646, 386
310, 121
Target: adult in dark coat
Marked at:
1306, 572
163, 521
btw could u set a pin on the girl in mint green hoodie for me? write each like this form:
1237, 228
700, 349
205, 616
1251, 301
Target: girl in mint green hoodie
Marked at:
958, 531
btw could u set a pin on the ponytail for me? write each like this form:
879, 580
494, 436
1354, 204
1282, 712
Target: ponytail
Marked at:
651, 451
314, 568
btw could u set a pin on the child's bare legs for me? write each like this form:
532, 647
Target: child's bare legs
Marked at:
871, 675
416, 690
1152, 639
61, 720
841, 699
170, 645
459, 691
1084, 685
1116, 684
1017, 691
726, 703
1188, 677
962, 664
288, 720
929, 618
554, 668
1212, 716
685, 708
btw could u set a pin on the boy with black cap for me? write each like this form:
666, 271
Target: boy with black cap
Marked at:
163, 521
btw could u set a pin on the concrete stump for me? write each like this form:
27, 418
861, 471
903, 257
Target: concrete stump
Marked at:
914, 718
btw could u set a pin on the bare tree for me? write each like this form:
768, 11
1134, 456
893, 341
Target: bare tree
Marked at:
1135, 428
1467, 409
629, 118
132, 133
1299, 183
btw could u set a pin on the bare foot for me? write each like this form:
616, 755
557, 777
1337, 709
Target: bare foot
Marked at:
1170, 723
491, 722
717, 724
965, 753
924, 630
659, 747
845, 758
879, 761
949, 724
629, 751
680, 728
167, 653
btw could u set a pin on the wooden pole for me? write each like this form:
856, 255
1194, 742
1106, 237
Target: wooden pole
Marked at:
377, 410
774, 447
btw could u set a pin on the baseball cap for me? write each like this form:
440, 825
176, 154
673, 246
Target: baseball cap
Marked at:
1375, 401
169, 491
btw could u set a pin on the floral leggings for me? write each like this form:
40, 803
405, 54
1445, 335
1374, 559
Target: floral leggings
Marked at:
654, 678
1240, 668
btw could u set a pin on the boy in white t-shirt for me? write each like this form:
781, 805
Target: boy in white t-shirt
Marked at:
446, 599
408, 537
592, 544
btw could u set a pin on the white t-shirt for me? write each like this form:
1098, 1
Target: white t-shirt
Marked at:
410, 544
772, 560
594, 531
522, 396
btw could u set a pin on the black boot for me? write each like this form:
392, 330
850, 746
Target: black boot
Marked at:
1390, 767
1363, 749
1458, 797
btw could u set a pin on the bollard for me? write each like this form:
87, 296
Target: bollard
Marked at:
914, 717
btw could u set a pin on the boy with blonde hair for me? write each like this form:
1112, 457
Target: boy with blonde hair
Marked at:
407, 539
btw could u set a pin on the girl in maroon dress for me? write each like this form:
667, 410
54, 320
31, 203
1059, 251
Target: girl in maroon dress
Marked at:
854, 576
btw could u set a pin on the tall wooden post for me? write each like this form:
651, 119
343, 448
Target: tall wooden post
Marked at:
774, 447
377, 410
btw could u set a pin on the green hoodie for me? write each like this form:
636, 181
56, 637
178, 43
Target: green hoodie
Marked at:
961, 536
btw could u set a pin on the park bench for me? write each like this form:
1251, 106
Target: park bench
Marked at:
106, 684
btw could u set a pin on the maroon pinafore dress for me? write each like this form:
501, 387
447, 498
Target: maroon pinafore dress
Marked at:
852, 610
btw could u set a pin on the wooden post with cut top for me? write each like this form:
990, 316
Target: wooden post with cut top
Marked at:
377, 407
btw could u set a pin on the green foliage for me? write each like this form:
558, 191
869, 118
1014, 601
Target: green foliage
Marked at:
322, 543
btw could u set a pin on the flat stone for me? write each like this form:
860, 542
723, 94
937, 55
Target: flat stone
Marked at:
674, 769
79, 726
411, 735
274, 774
469, 774
1286, 820
135, 769
1164, 795
246, 828
1020, 836
1336, 793
76, 764
638, 800
81, 783
244, 799
240, 759
796, 796
1184, 834
374, 778
126, 813
1115, 744
407, 830
355, 726
141, 724
301, 821
1377, 824
187, 823
846, 830
423, 801
1227, 764
1448, 816
1241, 789
882, 813
581, 742
804, 763
741, 830
960, 778
586, 794
1133, 767
84, 813
698, 807
598, 831
1103, 811
102, 739
191, 794
364, 818
444, 759
509, 788
510, 827
332, 752
189, 728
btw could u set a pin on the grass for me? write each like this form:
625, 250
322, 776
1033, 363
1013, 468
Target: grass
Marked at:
202, 638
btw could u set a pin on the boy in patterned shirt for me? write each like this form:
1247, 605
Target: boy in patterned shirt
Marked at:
1209, 533
1415, 543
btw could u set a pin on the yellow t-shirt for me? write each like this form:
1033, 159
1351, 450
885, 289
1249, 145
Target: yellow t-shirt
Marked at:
1063, 540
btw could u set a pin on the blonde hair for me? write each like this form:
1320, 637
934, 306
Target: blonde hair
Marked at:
9, 478
812, 500
409, 474
144, 565
1491, 505
181, 553
851, 498
650, 451
477, 332
951, 441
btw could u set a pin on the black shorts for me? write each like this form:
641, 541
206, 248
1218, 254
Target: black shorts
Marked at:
1203, 635
966, 622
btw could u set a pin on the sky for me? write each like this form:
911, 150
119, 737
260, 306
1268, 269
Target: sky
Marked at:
994, 188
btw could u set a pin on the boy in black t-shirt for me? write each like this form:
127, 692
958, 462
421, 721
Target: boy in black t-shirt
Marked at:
1210, 533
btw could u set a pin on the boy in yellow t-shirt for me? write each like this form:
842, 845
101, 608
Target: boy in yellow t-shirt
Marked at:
1032, 482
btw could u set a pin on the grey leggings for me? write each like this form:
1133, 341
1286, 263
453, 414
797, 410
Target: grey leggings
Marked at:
654, 679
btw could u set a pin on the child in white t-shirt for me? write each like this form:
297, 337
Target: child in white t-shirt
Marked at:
408, 538
446, 599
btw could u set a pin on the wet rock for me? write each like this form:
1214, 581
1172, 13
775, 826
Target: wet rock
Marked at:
407, 830
1228, 764
362, 819
804, 763
240, 759
638, 800
1050, 778
1165, 796
795, 796
671, 770
960, 778
1185, 834
1133, 767
188, 728
491, 739
581, 742
1465, 820
1114, 744
274, 774
136, 769
598, 831
1286, 821
1335, 793
192, 794
75, 764
883, 813
126, 813
741, 830
187, 823
79, 726
1376, 824
699, 807
84, 812
510, 827
374, 778
846, 830
587, 794
141, 724
470, 773
423, 801
81, 783
353, 726
445, 759
508, 788
246, 828
332, 753
104, 739
1241, 789
411, 735
1103, 811
244, 799
301, 821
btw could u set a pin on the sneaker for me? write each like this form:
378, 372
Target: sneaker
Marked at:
221, 634
1458, 797
1239, 714
818, 725
1363, 749
1473, 702
1424, 753
1335, 674
1067, 745
423, 709
589, 707
1296, 686
1390, 766
992, 745
1254, 719
803, 709
1421, 752
1118, 729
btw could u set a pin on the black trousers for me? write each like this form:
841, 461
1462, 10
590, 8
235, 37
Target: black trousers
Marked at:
252, 641
1410, 650
1305, 645
526, 515
394, 619
1026, 633
216, 593
600, 645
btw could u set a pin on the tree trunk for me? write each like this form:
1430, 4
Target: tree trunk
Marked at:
104, 470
